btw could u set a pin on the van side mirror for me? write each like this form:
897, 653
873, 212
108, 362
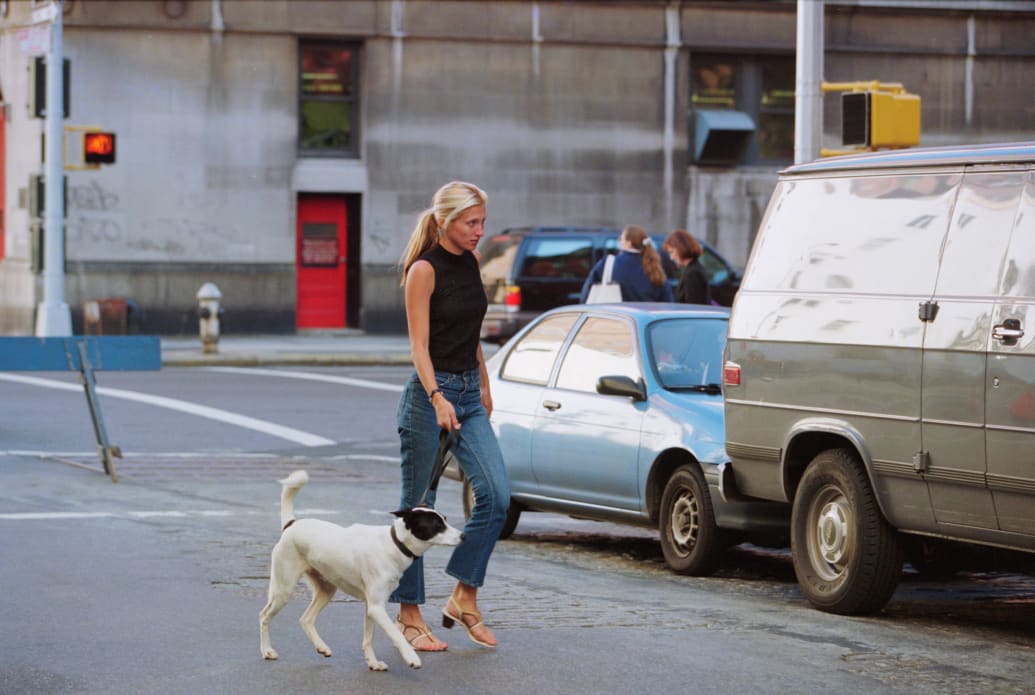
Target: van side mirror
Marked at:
618, 385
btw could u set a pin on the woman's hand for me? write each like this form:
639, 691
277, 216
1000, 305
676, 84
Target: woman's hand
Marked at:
445, 413
487, 400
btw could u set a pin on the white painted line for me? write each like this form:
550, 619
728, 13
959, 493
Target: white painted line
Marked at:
309, 376
195, 455
264, 426
153, 514
364, 457
150, 455
33, 516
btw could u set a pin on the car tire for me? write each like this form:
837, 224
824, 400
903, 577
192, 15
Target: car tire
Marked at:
513, 511
690, 540
847, 558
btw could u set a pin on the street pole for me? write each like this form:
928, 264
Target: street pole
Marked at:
808, 94
52, 315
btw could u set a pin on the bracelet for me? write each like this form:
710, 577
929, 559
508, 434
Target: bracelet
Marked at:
431, 395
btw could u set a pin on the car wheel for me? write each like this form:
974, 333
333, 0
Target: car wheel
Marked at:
513, 511
848, 559
690, 540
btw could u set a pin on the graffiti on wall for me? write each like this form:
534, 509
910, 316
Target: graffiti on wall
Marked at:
99, 228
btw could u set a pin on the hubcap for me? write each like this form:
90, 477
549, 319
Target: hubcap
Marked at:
829, 534
833, 533
685, 521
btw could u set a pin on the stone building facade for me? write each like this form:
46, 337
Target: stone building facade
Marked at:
251, 132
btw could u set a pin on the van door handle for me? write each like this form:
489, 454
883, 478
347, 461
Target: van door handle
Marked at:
551, 405
1009, 331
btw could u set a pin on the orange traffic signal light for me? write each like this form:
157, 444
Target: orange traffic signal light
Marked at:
98, 148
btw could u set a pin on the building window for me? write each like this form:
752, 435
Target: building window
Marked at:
760, 86
327, 101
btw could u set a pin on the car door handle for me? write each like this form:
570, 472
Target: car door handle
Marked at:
551, 405
1008, 331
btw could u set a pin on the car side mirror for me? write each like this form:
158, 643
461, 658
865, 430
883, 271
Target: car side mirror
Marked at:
617, 385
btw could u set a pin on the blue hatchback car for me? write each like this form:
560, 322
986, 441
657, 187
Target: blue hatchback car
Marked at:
614, 412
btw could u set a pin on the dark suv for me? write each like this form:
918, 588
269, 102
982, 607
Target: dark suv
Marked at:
527, 270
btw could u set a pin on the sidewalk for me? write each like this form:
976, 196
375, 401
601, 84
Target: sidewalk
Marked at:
348, 347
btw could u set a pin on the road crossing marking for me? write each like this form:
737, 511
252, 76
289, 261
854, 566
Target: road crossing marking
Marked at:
274, 430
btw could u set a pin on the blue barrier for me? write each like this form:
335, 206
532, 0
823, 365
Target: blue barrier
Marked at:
84, 354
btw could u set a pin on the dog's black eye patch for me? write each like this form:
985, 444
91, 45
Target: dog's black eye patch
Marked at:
425, 525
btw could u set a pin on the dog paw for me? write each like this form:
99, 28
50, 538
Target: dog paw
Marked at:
377, 665
324, 650
413, 664
270, 654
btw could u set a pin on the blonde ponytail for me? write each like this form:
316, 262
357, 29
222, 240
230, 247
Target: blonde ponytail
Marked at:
422, 239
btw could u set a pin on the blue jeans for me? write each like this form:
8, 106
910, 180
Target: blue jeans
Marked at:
481, 461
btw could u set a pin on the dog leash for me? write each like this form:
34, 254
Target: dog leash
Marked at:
447, 439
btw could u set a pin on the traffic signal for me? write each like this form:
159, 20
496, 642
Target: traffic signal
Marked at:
876, 118
98, 148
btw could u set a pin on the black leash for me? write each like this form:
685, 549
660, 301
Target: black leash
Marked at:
447, 439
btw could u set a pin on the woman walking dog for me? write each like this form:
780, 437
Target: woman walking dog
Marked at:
445, 303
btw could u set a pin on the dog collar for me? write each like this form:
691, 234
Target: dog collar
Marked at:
401, 546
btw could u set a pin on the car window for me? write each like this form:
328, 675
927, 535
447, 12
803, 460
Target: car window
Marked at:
718, 272
687, 352
531, 359
601, 347
497, 256
564, 257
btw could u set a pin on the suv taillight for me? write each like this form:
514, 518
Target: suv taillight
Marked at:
513, 296
731, 374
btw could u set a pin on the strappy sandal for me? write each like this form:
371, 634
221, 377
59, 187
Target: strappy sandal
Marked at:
421, 635
448, 620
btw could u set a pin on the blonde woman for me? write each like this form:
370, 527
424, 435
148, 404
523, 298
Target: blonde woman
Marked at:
445, 303
637, 269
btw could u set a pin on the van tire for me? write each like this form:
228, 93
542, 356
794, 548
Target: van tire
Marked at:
513, 511
690, 540
848, 559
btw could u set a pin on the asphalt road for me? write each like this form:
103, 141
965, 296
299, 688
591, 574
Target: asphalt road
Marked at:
153, 585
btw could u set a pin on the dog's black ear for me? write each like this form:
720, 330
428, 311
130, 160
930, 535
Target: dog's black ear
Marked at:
401, 513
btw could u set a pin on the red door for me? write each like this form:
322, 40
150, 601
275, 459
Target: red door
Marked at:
320, 256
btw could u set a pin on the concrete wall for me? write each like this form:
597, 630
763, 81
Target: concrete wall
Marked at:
557, 109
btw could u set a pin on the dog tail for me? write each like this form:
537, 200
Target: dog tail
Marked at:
291, 485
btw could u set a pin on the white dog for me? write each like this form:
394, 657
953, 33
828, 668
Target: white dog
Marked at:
363, 561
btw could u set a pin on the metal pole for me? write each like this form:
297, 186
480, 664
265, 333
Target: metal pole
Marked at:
52, 315
808, 95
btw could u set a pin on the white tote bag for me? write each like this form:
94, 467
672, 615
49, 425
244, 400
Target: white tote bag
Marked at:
605, 291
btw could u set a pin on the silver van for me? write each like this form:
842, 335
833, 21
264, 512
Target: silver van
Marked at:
880, 364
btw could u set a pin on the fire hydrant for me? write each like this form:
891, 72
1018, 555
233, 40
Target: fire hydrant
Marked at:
209, 312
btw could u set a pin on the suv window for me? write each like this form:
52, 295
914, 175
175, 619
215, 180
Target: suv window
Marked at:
564, 257
718, 271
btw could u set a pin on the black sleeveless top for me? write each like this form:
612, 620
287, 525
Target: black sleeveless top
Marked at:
458, 305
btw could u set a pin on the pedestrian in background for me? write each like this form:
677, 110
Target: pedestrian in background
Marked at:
445, 303
685, 250
637, 269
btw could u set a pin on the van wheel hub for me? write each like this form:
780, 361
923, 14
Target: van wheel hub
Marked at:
685, 521
832, 532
